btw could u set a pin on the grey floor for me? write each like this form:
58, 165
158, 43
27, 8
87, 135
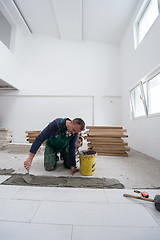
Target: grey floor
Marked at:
135, 171
28, 212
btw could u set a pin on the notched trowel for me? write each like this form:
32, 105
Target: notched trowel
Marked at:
27, 178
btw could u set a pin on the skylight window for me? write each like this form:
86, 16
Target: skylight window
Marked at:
145, 19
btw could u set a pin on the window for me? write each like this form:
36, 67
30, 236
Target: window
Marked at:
145, 19
154, 94
137, 102
145, 96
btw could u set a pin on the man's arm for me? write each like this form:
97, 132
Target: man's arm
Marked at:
72, 153
51, 130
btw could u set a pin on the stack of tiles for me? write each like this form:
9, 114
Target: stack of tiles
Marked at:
107, 141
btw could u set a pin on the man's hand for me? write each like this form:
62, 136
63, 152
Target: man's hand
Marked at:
73, 170
27, 163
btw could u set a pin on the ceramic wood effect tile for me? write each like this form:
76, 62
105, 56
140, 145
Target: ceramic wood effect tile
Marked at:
62, 194
27, 231
17, 210
98, 214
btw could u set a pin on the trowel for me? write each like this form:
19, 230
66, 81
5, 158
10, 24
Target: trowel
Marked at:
27, 178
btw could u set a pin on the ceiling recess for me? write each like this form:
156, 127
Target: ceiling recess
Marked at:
6, 86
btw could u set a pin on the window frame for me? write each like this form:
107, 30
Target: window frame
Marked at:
138, 19
150, 79
145, 97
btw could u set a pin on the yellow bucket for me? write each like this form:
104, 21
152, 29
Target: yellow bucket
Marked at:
87, 162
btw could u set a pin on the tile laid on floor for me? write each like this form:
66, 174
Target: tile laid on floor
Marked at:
4, 178
116, 196
28, 231
115, 233
99, 214
153, 211
61, 194
8, 191
17, 210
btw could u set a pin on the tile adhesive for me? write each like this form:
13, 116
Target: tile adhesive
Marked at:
51, 181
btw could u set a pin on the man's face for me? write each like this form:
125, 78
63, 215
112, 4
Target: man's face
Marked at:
74, 128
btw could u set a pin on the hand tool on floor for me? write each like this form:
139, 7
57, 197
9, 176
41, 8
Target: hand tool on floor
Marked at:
156, 199
27, 178
144, 194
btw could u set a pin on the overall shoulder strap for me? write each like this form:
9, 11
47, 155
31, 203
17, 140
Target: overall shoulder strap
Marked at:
63, 123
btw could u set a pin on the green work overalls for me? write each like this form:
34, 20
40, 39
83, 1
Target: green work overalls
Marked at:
54, 145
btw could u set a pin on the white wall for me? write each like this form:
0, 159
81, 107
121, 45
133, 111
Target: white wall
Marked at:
61, 79
69, 67
144, 134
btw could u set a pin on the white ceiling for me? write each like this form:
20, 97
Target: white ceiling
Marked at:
75, 20
72, 20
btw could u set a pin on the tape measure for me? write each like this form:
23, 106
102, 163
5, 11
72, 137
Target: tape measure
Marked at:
144, 194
